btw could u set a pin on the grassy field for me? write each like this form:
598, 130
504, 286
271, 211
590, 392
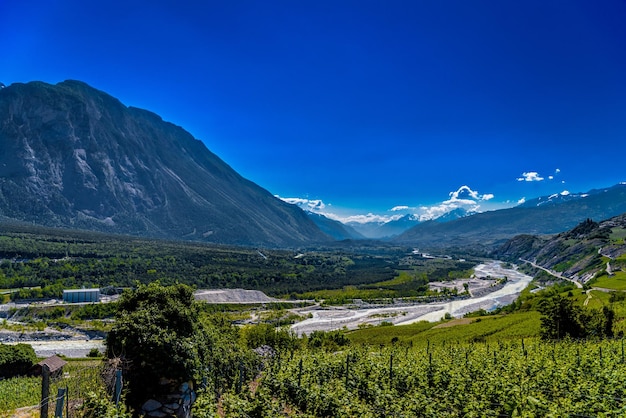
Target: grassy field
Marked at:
616, 282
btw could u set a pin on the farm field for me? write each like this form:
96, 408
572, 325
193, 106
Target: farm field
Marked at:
516, 377
80, 376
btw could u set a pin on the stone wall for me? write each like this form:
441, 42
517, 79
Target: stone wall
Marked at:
177, 403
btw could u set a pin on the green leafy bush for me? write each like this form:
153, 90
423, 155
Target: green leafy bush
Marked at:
16, 360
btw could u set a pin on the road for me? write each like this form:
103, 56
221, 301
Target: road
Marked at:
339, 317
554, 273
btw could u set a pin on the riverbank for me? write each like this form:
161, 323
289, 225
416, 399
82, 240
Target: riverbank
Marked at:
327, 319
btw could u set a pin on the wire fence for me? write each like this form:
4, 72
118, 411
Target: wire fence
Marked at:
68, 389
23, 396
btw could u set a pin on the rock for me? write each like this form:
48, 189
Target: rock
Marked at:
265, 351
151, 405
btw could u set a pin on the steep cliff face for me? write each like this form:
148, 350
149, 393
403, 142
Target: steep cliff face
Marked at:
73, 156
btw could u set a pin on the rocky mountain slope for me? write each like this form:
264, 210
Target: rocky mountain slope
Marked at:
579, 254
335, 229
384, 230
490, 229
73, 156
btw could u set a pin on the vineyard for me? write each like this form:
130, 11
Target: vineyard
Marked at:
517, 378
79, 378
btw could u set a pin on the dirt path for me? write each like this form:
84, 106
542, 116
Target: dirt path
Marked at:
25, 412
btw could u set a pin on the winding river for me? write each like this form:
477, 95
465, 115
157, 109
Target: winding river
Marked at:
336, 318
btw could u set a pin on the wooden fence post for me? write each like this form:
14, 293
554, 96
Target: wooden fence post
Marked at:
45, 390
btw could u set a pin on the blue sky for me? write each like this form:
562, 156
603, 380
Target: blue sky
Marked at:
359, 106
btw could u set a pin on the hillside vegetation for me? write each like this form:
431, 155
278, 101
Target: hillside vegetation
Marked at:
41, 262
590, 251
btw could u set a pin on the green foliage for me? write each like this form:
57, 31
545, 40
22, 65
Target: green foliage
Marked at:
328, 340
16, 360
562, 318
18, 392
160, 332
42, 262
617, 281
513, 378
94, 311
97, 404
254, 336
94, 352
492, 329
157, 334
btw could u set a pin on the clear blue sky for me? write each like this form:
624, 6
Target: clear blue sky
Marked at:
365, 105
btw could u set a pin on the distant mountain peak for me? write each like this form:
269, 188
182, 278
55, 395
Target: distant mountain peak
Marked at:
544, 215
454, 214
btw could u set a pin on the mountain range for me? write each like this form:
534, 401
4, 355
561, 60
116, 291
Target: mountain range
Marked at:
543, 215
73, 156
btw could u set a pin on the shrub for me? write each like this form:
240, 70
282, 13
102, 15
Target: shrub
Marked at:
16, 360
157, 335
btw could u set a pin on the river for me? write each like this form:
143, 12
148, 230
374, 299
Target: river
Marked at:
336, 318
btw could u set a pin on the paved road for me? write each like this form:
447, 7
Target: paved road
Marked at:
554, 273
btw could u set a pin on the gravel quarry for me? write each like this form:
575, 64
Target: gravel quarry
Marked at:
232, 296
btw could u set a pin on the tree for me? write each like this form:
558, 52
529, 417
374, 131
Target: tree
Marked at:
559, 318
16, 360
157, 335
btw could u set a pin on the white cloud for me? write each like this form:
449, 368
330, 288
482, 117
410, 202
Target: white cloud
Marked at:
308, 204
557, 171
363, 219
318, 206
550, 177
564, 193
467, 195
464, 197
522, 200
530, 176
